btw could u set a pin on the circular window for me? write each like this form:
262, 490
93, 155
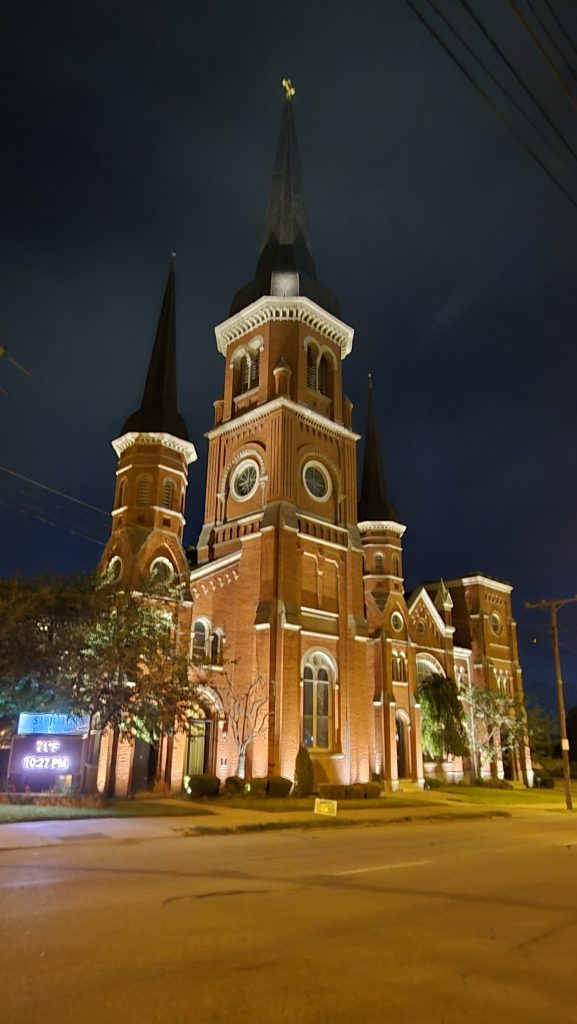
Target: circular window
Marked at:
317, 481
114, 569
495, 620
421, 626
245, 480
161, 570
397, 621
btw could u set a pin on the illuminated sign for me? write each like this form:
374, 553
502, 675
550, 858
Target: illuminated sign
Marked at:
46, 758
75, 725
45, 755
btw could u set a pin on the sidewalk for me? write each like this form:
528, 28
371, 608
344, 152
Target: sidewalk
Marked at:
225, 820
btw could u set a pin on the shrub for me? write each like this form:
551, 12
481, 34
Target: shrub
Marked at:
493, 783
278, 786
372, 790
256, 787
233, 786
203, 785
304, 773
542, 779
355, 792
332, 791
431, 782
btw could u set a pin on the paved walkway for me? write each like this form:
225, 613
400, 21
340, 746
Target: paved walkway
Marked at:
32, 834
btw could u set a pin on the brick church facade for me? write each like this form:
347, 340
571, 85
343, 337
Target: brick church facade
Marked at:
297, 589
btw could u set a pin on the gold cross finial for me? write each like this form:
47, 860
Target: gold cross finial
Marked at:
288, 88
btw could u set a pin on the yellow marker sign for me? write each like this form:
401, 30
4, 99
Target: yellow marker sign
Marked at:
326, 807
288, 88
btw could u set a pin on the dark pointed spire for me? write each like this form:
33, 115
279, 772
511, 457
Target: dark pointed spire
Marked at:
158, 411
374, 502
286, 265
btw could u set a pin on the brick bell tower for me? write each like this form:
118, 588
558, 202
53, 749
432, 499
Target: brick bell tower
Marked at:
281, 508
154, 453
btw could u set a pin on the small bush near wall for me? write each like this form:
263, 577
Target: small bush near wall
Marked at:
493, 783
53, 799
203, 785
278, 787
358, 791
256, 787
233, 786
542, 779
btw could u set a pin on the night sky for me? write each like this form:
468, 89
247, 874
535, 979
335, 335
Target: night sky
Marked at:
131, 129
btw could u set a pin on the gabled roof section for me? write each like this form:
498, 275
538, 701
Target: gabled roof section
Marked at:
421, 593
374, 502
286, 266
158, 411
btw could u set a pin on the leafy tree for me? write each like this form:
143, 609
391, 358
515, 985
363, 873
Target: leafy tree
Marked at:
542, 730
81, 647
442, 721
247, 714
494, 722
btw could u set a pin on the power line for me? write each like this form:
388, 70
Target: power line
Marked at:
492, 76
561, 27
518, 77
52, 490
493, 107
537, 42
550, 36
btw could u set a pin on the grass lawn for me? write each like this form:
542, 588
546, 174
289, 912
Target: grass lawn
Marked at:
508, 797
11, 813
290, 805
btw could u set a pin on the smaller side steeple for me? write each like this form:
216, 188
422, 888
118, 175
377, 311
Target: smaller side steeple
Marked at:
374, 502
158, 410
378, 520
286, 266
154, 453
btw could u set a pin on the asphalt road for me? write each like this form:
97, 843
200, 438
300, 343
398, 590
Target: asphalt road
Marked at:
424, 923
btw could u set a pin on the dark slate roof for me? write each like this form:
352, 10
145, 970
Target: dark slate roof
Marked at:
374, 501
158, 411
286, 247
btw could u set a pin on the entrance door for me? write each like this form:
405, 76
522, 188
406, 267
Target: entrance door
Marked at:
402, 760
197, 747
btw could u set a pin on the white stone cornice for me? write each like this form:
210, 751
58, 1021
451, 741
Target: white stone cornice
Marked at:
382, 525
485, 581
176, 444
218, 565
301, 411
297, 308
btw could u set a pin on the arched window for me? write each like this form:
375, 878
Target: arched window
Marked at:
121, 492
216, 645
399, 668
254, 369
312, 355
323, 371
318, 698
143, 490
167, 494
427, 666
378, 562
396, 571
200, 640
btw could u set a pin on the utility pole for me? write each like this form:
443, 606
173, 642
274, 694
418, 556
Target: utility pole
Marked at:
554, 607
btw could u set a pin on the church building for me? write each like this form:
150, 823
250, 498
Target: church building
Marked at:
297, 593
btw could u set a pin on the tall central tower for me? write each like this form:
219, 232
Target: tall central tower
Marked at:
280, 512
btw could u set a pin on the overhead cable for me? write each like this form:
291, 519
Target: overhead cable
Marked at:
494, 79
550, 37
551, 63
563, 31
529, 149
518, 78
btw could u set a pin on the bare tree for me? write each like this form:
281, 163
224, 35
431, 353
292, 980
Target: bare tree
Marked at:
247, 714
